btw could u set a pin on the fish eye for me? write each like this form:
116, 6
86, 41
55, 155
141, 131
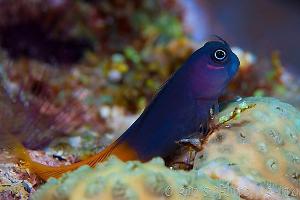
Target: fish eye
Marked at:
219, 55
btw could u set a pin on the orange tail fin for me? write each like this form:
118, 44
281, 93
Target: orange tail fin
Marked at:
11, 144
121, 150
45, 172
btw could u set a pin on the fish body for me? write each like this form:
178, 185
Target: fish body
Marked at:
179, 109
182, 106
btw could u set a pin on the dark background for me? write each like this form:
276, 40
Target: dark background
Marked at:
255, 25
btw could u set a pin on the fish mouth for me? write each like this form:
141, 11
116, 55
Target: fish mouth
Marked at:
214, 67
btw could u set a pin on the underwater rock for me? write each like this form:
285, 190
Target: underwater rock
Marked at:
115, 179
15, 181
258, 151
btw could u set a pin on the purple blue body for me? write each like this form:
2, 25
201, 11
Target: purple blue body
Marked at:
183, 104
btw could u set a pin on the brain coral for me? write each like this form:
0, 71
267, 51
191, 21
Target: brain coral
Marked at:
258, 152
117, 180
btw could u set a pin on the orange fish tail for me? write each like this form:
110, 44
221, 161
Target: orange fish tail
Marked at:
121, 150
118, 148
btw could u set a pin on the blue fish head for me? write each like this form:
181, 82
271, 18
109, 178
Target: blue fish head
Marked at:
220, 56
210, 69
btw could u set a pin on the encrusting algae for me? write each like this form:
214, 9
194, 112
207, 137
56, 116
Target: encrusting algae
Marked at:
258, 151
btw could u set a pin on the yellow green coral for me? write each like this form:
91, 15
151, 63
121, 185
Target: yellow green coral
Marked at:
115, 179
258, 152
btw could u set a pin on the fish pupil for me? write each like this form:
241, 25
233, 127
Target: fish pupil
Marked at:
220, 54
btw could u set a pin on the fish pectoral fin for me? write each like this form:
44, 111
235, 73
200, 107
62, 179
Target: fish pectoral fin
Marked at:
192, 142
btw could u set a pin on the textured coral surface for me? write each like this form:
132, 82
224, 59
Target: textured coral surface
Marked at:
258, 152
115, 179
